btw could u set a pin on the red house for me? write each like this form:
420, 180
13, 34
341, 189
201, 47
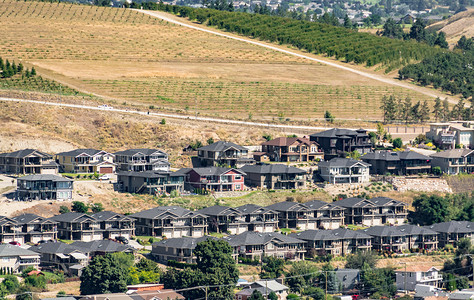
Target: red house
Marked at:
215, 179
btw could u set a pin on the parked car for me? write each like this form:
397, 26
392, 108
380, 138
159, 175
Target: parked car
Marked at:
122, 239
104, 177
15, 243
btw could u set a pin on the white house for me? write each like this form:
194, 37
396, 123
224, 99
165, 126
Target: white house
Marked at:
16, 259
408, 277
344, 170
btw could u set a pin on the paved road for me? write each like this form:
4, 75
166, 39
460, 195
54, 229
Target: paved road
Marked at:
174, 116
165, 17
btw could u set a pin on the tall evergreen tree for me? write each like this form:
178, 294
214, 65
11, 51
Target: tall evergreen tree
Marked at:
424, 112
437, 109
405, 110
446, 113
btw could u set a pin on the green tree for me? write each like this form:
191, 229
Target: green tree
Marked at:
406, 110
80, 207
97, 207
392, 30
354, 155
64, 209
437, 109
33, 71
424, 114
11, 283
163, 122
329, 117
327, 278
361, 258
256, 295
104, 275
210, 141
397, 143
272, 267
294, 279
272, 296
347, 22
446, 114
430, 209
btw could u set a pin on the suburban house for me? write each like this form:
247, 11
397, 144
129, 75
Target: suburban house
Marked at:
274, 176
289, 149
10, 231
139, 160
170, 222
421, 238
266, 287
27, 161
258, 218
72, 258
35, 228
222, 154
348, 279
44, 187
335, 242
360, 211
86, 161
327, 215
454, 161
78, 227
218, 179
294, 215
255, 245
392, 211
224, 219
114, 225
337, 142
156, 294
15, 259
409, 276
150, 182
449, 134
397, 162
451, 232
388, 238
177, 249
344, 170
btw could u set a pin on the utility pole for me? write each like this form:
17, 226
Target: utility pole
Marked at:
405, 287
206, 292
326, 289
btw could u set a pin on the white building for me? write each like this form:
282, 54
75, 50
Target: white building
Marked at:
407, 278
16, 259
448, 135
344, 170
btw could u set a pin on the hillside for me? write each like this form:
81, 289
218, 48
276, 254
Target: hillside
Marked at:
456, 26
130, 58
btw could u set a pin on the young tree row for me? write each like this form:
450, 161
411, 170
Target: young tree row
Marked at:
398, 109
8, 69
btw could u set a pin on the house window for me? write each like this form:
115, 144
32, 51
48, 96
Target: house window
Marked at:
238, 177
237, 186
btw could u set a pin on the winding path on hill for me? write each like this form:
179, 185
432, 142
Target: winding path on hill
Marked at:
380, 78
173, 116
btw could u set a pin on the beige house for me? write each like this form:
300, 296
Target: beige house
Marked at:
86, 161
454, 161
78, 227
27, 161
17, 259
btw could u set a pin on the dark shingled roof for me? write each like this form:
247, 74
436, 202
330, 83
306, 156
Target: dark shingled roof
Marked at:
384, 231
394, 156
382, 201
338, 132
106, 214
251, 208
271, 169
339, 162
76, 152
453, 227
25, 153
453, 153
354, 202
214, 171
335, 234
44, 177
57, 247
257, 238
149, 174
160, 210
317, 204
72, 216
131, 152
107, 246
28, 218
217, 210
287, 206
286, 141
183, 242
221, 146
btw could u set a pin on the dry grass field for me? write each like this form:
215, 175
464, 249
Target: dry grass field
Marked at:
127, 56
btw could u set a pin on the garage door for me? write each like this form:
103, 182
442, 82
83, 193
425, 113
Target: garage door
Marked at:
106, 170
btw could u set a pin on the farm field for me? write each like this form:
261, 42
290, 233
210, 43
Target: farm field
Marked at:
129, 57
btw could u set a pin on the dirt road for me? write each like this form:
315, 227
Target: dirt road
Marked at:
346, 67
